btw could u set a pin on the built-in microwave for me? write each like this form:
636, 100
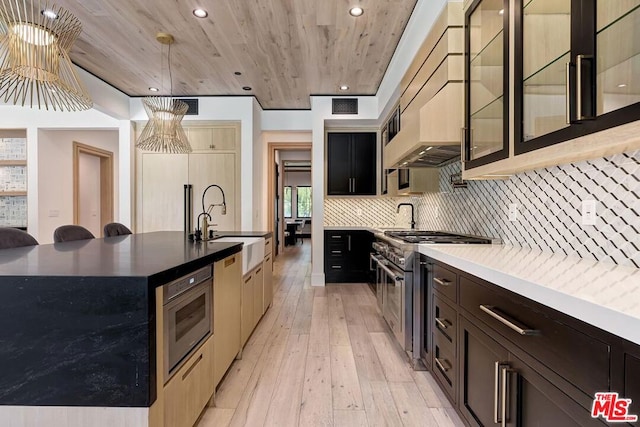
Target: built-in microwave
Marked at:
187, 315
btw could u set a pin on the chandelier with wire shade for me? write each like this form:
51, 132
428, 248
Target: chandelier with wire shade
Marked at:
163, 132
35, 68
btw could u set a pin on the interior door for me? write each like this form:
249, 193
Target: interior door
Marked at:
163, 180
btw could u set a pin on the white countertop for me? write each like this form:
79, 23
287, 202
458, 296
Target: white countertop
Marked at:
602, 294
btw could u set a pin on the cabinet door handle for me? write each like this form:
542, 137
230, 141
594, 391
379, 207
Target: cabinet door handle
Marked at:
497, 387
442, 282
463, 149
441, 365
186, 374
579, 59
354, 185
505, 395
441, 323
567, 93
349, 242
507, 321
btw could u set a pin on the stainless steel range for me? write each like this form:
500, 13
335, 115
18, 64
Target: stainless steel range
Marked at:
396, 269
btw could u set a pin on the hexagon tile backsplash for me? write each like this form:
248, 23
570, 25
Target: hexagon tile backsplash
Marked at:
549, 204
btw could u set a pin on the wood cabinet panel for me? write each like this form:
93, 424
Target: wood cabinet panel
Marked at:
247, 323
258, 294
188, 391
227, 294
219, 138
162, 192
351, 164
268, 282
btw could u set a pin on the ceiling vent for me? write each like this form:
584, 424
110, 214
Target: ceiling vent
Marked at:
344, 106
192, 103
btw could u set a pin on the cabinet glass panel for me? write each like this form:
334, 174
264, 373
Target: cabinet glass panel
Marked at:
618, 54
546, 38
486, 71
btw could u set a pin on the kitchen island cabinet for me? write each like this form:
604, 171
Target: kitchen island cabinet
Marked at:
81, 318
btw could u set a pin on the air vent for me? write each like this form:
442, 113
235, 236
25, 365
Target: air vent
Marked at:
344, 106
193, 106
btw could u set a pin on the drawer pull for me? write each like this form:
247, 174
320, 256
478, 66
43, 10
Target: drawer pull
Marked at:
336, 252
186, 374
441, 323
511, 323
336, 267
442, 282
336, 237
441, 365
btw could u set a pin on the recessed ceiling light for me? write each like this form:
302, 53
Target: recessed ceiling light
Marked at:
238, 73
501, 12
154, 89
49, 13
622, 85
246, 87
356, 11
200, 13
344, 87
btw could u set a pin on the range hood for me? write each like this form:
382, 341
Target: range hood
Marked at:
430, 135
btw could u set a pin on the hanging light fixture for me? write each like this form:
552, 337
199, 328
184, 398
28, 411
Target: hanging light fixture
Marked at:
163, 132
35, 67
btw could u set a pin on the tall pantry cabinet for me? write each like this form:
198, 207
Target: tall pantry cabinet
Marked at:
161, 179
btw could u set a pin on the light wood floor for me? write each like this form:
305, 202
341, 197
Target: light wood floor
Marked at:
324, 357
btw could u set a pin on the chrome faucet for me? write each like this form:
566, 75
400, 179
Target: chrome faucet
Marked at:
413, 222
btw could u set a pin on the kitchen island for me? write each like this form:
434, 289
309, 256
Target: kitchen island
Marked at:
79, 318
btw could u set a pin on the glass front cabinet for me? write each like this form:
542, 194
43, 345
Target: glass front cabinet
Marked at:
575, 70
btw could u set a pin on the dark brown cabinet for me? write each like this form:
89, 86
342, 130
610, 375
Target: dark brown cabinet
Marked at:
503, 359
497, 387
346, 257
351, 164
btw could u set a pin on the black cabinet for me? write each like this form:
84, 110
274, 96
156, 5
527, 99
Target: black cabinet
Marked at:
497, 387
346, 257
573, 69
500, 356
486, 132
351, 164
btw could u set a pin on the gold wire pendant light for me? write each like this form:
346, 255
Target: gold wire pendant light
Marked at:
163, 132
35, 68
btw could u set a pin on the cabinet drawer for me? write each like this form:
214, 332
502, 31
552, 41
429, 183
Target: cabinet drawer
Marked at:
336, 265
445, 281
572, 354
336, 251
268, 247
444, 319
444, 365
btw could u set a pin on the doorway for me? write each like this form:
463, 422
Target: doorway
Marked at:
92, 187
296, 156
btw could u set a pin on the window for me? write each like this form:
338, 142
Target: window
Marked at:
304, 202
287, 201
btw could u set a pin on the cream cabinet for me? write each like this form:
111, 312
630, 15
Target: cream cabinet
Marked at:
258, 294
221, 137
161, 180
268, 275
227, 294
247, 321
188, 391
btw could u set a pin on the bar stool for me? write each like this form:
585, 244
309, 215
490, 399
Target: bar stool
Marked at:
115, 229
14, 238
68, 233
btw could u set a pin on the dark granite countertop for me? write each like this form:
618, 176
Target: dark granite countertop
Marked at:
78, 321
159, 256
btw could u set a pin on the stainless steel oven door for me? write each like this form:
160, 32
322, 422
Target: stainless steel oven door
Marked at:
394, 300
187, 322
379, 274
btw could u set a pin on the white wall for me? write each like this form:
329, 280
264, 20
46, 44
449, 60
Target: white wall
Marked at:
55, 175
259, 213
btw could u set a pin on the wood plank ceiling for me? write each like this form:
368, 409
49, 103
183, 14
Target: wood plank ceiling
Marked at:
286, 50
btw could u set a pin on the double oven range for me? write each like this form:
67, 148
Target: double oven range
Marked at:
395, 264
